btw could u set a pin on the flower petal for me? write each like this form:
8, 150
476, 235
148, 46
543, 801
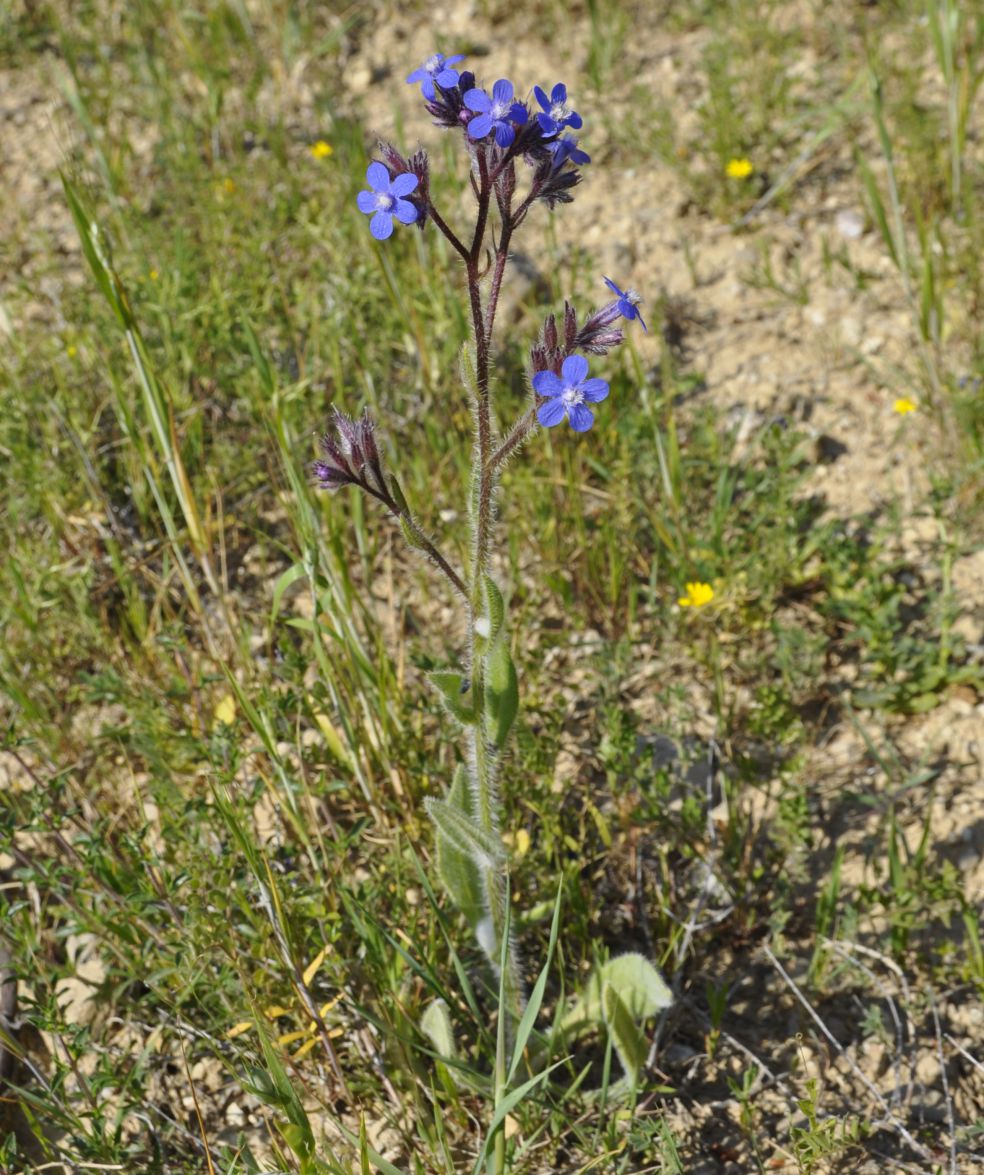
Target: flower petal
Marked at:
559, 93
418, 75
645, 329
547, 125
613, 287
551, 412
594, 390
454, 59
403, 184
366, 202
504, 134
478, 101
480, 126
381, 226
574, 369
575, 121
541, 97
581, 417
377, 177
447, 78
405, 212
502, 91
547, 384
427, 88
519, 114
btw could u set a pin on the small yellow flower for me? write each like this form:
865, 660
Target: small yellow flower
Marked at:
698, 594
321, 149
228, 185
904, 406
225, 712
71, 350
739, 169
154, 275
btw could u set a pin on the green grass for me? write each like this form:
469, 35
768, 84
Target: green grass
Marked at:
217, 737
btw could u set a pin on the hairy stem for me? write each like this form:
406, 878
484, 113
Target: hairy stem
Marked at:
521, 430
446, 229
421, 541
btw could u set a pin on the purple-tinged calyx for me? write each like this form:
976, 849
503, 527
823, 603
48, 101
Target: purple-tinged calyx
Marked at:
350, 455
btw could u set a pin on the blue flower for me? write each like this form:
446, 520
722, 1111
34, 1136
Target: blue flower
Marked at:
386, 200
558, 113
566, 148
437, 68
566, 393
628, 303
496, 113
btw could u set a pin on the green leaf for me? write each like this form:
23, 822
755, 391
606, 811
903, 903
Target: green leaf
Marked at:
458, 872
495, 608
501, 692
397, 491
638, 984
532, 1009
413, 539
435, 1024
627, 1037
453, 687
464, 834
286, 580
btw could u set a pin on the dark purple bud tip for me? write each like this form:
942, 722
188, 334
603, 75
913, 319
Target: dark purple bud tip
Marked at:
329, 477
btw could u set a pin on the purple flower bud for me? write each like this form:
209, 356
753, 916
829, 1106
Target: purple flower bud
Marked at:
334, 470
550, 333
601, 343
392, 158
351, 455
570, 325
597, 336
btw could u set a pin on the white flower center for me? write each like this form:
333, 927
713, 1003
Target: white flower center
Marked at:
433, 64
385, 202
500, 110
559, 111
572, 396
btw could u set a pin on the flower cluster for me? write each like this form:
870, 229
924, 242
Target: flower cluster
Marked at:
560, 372
498, 130
350, 456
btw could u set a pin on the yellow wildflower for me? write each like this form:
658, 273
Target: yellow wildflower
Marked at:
698, 594
739, 169
225, 712
321, 149
71, 350
903, 406
154, 275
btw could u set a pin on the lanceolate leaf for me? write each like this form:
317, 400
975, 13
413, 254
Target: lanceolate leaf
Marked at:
463, 833
457, 870
501, 692
453, 688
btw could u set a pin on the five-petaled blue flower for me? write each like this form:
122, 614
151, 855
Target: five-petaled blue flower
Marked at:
557, 113
437, 68
386, 200
565, 148
497, 113
566, 394
628, 302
